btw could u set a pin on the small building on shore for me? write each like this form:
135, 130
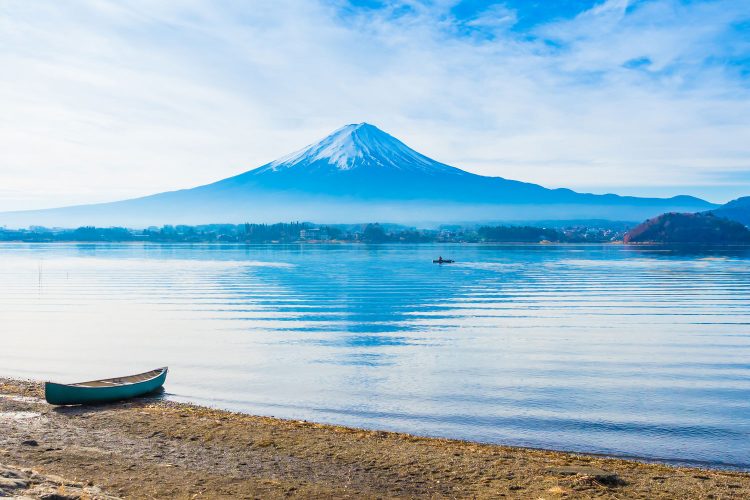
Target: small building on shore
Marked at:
313, 234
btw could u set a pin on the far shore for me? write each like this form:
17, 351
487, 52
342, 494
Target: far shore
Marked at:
643, 244
153, 448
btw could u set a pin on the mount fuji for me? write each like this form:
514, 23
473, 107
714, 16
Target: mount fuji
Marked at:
357, 174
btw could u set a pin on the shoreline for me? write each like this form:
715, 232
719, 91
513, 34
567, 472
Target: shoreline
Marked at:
148, 448
669, 462
616, 243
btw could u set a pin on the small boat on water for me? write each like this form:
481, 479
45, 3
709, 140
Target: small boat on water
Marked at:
443, 261
105, 390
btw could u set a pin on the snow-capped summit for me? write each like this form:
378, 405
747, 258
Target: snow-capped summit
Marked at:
358, 146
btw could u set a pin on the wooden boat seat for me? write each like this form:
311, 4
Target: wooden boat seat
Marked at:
119, 380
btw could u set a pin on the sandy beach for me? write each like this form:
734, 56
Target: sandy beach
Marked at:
151, 448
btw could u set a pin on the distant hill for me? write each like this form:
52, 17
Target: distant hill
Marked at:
358, 173
700, 228
736, 210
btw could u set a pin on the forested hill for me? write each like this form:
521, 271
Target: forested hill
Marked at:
701, 228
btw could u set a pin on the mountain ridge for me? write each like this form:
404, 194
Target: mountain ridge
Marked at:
304, 169
358, 172
737, 210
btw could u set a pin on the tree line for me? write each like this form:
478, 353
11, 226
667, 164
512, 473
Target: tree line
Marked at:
293, 232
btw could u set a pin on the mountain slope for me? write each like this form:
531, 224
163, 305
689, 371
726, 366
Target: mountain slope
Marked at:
360, 160
358, 173
737, 210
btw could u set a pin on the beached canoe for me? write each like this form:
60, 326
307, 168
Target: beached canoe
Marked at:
102, 391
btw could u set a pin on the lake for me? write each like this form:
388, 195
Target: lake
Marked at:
630, 351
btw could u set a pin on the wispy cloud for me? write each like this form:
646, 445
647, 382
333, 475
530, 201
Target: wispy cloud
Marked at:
106, 100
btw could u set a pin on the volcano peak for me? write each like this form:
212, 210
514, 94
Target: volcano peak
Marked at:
357, 146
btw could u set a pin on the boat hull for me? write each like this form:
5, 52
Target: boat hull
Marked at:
62, 394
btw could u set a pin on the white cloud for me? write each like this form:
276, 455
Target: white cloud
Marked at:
103, 100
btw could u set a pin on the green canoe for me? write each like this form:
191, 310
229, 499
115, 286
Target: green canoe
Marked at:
102, 391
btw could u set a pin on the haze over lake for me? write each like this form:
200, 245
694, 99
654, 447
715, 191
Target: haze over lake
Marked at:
607, 349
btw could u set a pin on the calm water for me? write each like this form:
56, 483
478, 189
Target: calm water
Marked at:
606, 349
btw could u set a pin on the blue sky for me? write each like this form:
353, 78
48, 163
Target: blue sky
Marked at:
526, 14
108, 100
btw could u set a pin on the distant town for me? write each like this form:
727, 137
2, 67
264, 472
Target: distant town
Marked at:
304, 232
